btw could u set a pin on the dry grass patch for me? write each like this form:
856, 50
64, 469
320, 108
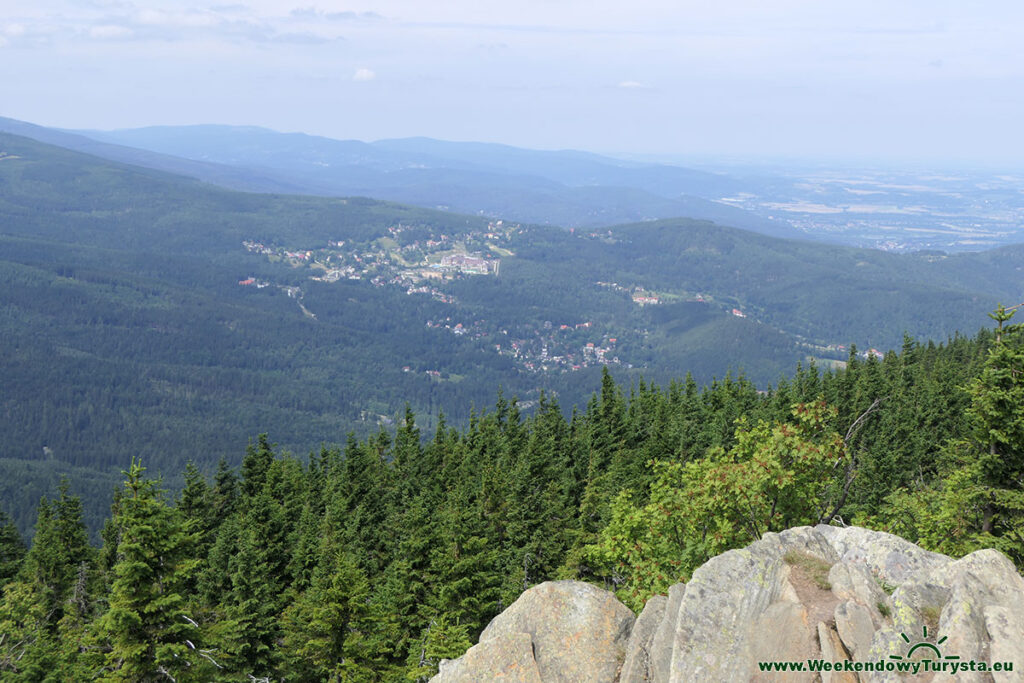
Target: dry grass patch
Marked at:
931, 614
813, 567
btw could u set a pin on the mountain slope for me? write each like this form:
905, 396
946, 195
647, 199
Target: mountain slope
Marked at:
218, 174
127, 329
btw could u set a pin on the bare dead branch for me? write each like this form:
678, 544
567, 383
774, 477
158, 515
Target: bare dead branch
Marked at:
851, 463
858, 423
205, 654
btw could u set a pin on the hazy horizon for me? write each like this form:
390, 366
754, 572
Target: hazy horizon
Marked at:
923, 82
775, 162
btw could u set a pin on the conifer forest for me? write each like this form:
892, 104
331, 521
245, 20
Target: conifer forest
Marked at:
374, 561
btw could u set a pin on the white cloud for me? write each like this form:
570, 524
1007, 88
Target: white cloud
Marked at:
108, 4
235, 8
363, 75
313, 13
110, 32
187, 19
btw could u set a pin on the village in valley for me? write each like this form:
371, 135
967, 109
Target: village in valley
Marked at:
414, 264
546, 347
420, 261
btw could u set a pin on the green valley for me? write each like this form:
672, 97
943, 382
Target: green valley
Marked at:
127, 332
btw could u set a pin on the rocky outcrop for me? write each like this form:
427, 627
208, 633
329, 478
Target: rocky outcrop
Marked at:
840, 595
890, 558
576, 633
637, 666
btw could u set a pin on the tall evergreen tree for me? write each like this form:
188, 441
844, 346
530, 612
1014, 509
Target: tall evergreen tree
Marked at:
194, 504
997, 417
256, 464
12, 549
331, 631
194, 500
224, 495
977, 499
408, 582
214, 582
59, 549
537, 523
147, 627
253, 605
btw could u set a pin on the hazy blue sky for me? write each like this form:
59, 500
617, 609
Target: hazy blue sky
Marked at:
890, 78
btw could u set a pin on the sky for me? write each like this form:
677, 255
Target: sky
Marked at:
902, 80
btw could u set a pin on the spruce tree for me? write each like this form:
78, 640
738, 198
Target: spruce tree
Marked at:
356, 500
147, 628
28, 646
253, 605
305, 546
408, 582
214, 581
465, 557
997, 416
58, 550
257, 461
331, 631
224, 495
539, 517
444, 638
194, 501
12, 549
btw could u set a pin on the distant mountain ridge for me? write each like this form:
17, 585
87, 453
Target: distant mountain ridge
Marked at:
563, 188
566, 188
217, 174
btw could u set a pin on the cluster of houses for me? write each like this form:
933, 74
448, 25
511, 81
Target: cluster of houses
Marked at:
600, 353
434, 293
496, 231
525, 351
544, 352
257, 248
335, 274
471, 264
390, 266
383, 267
638, 294
836, 349
475, 329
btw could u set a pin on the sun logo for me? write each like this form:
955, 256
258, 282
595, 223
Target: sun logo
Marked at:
924, 645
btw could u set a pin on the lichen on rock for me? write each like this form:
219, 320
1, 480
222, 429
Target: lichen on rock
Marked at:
751, 605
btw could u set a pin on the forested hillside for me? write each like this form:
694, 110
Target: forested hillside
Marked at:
147, 315
373, 561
